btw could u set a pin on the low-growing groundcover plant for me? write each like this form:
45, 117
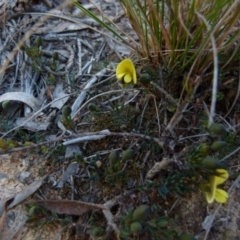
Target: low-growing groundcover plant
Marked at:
185, 52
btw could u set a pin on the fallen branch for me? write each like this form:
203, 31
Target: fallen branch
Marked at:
86, 136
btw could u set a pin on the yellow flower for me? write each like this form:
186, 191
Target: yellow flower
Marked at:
212, 192
126, 72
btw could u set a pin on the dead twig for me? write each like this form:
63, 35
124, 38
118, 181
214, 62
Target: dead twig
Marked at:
109, 216
53, 72
81, 97
158, 167
168, 96
182, 106
75, 136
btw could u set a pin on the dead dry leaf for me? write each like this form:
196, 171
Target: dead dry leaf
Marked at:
3, 215
68, 26
61, 95
69, 207
26, 98
19, 197
14, 222
2, 220
7, 203
34, 125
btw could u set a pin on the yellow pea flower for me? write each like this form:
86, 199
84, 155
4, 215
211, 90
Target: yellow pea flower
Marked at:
126, 72
211, 191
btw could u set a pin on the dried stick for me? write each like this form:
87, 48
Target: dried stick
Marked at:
182, 106
108, 215
83, 94
168, 96
75, 136
158, 167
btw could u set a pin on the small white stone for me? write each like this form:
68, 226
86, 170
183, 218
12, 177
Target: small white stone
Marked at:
98, 164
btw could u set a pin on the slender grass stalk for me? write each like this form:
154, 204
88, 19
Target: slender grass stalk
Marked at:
215, 73
109, 25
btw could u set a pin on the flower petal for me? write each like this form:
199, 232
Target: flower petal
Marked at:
213, 186
222, 176
134, 77
122, 67
209, 197
221, 196
120, 76
212, 190
127, 78
205, 187
129, 64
